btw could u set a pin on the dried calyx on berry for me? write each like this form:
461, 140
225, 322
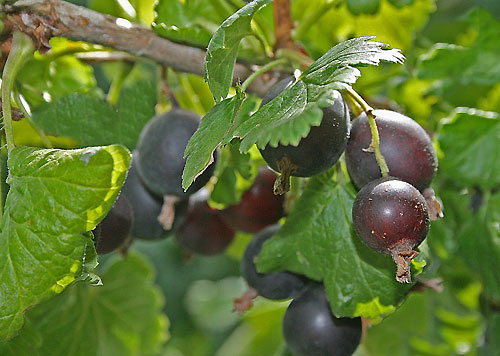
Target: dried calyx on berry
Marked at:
146, 207
316, 152
160, 161
392, 217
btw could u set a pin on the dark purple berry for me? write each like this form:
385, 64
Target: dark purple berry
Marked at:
316, 152
258, 207
310, 329
277, 285
392, 217
405, 145
203, 231
114, 229
161, 150
147, 206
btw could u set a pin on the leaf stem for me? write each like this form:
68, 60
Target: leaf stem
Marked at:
375, 144
261, 70
22, 49
295, 57
3, 174
312, 18
116, 85
17, 98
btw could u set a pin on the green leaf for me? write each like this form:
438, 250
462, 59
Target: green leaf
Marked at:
401, 3
55, 196
56, 75
26, 344
428, 323
289, 117
354, 52
285, 119
214, 131
223, 48
259, 333
92, 122
479, 245
470, 141
409, 321
318, 240
397, 26
207, 301
235, 174
363, 6
492, 341
477, 63
121, 317
190, 22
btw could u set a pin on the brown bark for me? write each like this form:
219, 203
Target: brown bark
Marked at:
46, 18
283, 25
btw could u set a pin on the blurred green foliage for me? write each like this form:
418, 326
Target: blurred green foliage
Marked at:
449, 84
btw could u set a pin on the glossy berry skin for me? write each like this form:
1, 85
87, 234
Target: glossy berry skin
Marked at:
311, 329
258, 208
392, 217
321, 148
203, 231
387, 212
146, 207
405, 145
114, 229
161, 150
275, 286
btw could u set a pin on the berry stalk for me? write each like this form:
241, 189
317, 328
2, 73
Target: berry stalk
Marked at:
46, 142
375, 144
262, 70
22, 50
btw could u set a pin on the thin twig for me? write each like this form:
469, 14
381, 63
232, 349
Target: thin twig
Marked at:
63, 19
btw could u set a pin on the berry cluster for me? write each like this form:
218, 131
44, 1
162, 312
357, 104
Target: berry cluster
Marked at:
390, 214
309, 326
153, 205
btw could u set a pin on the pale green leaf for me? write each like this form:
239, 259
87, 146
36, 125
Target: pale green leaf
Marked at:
93, 122
121, 317
479, 245
470, 142
213, 131
55, 197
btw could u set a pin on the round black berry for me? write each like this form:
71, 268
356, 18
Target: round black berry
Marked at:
161, 150
316, 152
203, 231
114, 229
277, 285
147, 206
310, 329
